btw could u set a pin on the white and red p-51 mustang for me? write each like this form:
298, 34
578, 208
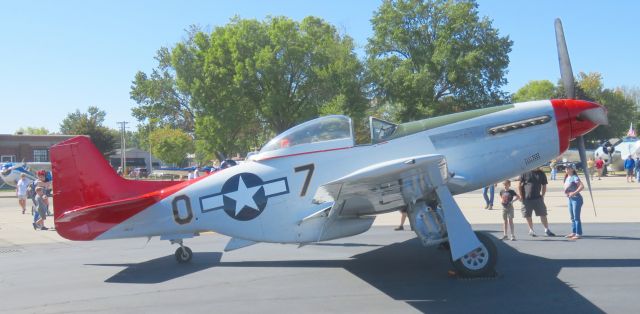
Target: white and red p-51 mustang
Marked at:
313, 183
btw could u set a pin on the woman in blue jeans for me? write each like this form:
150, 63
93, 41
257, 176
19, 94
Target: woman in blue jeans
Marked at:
572, 188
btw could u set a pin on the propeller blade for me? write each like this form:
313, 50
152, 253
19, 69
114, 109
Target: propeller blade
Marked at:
583, 160
595, 115
566, 73
615, 141
221, 157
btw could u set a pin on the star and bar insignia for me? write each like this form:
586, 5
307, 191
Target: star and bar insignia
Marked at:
244, 196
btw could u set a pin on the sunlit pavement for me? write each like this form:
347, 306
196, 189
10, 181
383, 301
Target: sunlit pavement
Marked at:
380, 271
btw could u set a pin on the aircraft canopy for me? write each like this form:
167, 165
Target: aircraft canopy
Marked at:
328, 129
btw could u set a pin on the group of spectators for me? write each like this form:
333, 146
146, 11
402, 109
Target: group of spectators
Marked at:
195, 173
532, 188
38, 192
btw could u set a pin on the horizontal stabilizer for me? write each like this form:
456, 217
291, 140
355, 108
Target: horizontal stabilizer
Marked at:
237, 243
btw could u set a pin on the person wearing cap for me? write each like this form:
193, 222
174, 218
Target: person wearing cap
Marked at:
572, 188
21, 191
41, 207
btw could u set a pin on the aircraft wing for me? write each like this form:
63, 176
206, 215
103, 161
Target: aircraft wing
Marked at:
390, 185
379, 188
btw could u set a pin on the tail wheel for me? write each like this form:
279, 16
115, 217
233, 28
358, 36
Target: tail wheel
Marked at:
480, 262
183, 254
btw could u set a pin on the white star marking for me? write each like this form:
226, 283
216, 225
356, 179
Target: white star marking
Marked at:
244, 196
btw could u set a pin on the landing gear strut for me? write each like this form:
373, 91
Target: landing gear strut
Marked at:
183, 253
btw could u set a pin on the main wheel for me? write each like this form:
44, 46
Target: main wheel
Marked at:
183, 254
479, 262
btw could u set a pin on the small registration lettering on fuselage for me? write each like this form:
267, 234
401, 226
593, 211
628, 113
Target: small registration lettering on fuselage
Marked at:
244, 196
532, 158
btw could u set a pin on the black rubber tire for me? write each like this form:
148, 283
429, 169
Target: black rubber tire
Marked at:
481, 262
183, 254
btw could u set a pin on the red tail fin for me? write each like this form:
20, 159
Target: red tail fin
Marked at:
83, 177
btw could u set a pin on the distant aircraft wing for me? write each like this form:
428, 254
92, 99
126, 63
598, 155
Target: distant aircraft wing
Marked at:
35, 166
379, 188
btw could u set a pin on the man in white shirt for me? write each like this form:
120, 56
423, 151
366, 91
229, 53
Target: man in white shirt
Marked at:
21, 191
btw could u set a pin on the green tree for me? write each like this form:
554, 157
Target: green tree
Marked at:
161, 101
621, 110
33, 131
90, 123
171, 145
632, 93
590, 85
249, 79
436, 56
535, 90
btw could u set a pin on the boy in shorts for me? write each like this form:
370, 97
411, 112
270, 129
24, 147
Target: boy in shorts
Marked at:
507, 197
42, 207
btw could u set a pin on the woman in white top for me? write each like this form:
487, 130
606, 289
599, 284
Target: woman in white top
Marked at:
572, 188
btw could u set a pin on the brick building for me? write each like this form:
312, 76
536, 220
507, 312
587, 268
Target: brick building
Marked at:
30, 148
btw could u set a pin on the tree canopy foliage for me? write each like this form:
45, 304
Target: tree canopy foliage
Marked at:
620, 109
436, 56
250, 79
232, 88
535, 90
170, 145
90, 123
161, 101
33, 131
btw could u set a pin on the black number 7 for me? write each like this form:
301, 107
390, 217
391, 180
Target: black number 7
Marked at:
309, 168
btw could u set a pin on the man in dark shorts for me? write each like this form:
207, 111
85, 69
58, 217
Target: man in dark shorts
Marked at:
533, 186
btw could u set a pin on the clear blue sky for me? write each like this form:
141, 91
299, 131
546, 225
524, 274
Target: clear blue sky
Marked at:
59, 56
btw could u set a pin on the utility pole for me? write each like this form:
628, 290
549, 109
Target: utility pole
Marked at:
150, 162
123, 146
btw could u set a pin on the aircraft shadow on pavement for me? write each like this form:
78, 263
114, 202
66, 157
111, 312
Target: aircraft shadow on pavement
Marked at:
162, 269
408, 272
346, 244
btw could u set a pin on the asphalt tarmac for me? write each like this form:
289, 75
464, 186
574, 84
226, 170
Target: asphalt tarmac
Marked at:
380, 271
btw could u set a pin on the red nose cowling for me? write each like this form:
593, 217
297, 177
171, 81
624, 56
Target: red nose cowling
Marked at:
572, 119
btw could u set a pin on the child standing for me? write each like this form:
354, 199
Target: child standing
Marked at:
42, 207
507, 197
